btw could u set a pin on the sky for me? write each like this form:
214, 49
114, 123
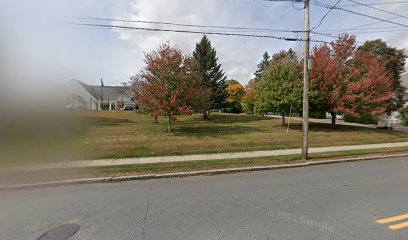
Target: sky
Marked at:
41, 47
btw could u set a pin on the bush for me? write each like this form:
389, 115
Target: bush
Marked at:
404, 116
364, 119
236, 108
319, 114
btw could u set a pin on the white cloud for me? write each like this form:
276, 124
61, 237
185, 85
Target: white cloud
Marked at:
90, 54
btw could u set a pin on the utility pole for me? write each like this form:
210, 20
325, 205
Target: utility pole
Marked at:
305, 122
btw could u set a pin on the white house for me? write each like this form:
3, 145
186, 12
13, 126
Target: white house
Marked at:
394, 118
80, 95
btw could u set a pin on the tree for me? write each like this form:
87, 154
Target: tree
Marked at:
280, 89
393, 60
248, 101
369, 91
170, 86
211, 74
331, 65
235, 94
349, 81
262, 66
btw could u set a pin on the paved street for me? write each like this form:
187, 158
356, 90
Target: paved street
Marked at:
342, 201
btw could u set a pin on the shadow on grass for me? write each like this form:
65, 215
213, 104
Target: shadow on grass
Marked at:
101, 121
230, 118
326, 127
213, 130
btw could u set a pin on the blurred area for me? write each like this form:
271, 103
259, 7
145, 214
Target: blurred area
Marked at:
36, 62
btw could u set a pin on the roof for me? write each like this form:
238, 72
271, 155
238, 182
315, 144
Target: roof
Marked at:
106, 92
90, 89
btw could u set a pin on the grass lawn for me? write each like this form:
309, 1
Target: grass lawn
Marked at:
157, 168
127, 134
121, 134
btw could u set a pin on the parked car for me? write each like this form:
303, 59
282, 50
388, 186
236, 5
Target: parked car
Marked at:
220, 110
129, 108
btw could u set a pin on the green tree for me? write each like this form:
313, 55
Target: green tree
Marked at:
248, 101
262, 66
210, 73
235, 94
280, 89
393, 60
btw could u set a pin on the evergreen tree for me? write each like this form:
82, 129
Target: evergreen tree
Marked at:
210, 73
262, 66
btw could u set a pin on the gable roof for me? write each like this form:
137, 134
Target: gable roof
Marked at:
107, 92
90, 89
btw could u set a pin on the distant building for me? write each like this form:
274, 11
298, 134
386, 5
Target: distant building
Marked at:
404, 81
394, 117
80, 95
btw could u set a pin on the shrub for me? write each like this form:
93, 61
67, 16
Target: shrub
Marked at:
364, 119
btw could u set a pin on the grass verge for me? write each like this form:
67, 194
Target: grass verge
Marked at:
159, 168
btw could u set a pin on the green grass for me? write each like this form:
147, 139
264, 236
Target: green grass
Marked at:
157, 168
118, 134
126, 134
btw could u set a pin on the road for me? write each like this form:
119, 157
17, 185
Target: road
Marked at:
342, 201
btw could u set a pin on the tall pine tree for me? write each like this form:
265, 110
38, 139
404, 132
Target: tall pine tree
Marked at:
262, 66
210, 73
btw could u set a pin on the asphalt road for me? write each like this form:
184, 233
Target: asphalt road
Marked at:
342, 201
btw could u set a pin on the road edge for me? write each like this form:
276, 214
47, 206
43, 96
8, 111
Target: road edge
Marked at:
192, 173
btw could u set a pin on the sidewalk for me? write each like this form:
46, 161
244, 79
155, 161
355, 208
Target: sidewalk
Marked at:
202, 157
327, 121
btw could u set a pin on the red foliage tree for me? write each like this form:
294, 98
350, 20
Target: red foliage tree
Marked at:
369, 89
348, 81
170, 86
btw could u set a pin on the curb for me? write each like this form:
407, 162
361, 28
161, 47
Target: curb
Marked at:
192, 173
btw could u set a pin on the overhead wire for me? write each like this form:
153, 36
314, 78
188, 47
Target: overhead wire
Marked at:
328, 12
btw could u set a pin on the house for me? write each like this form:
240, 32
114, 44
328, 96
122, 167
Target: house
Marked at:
404, 81
394, 118
80, 95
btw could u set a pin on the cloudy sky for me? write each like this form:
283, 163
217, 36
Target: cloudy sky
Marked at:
36, 38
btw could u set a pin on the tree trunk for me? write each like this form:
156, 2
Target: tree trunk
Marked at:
169, 126
333, 119
283, 120
205, 115
155, 119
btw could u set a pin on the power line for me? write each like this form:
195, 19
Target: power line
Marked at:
358, 13
347, 29
107, 26
186, 25
378, 9
328, 12
374, 4
293, 5
381, 31
364, 25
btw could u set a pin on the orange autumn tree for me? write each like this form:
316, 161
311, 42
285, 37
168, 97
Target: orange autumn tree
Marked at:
170, 86
347, 81
235, 93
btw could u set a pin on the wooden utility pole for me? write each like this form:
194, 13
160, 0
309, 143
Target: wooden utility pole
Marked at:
305, 123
